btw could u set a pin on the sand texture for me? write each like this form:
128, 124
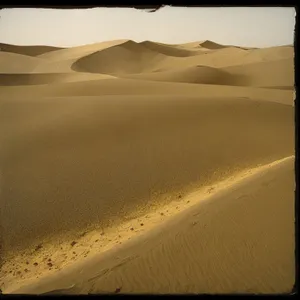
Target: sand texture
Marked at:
147, 168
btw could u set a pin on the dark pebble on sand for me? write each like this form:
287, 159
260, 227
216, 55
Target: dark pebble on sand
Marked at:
35, 264
49, 259
162, 214
102, 233
49, 264
73, 243
142, 224
179, 196
131, 228
19, 272
38, 247
27, 262
96, 241
26, 270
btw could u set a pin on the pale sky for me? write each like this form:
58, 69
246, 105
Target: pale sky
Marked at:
240, 26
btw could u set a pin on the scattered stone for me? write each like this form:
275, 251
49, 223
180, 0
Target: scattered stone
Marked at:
73, 243
61, 248
27, 262
179, 196
188, 201
49, 259
162, 214
26, 270
74, 252
142, 224
38, 247
96, 241
118, 290
35, 264
83, 234
102, 233
176, 207
10, 271
131, 228
19, 272
50, 264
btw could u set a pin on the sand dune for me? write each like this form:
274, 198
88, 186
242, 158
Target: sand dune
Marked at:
17, 63
62, 60
221, 245
129, 57
97, 139
27, 50
143, 87
258, 74
211, 45
197, 74
170, 50
55, 138
48, 78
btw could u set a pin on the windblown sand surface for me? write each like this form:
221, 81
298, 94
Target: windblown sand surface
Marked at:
106, 142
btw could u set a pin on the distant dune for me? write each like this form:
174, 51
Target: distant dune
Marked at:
126, 58
211, 45
27, 50
17, 63
197, 74
109, 150
170, 50
47, 78
278, 73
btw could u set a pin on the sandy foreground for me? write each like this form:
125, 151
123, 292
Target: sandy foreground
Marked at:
147, 168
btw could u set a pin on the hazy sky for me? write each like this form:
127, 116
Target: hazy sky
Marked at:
252, 26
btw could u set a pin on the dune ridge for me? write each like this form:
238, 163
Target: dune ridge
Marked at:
189, 227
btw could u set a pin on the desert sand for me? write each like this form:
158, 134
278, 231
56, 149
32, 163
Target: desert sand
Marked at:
147, 168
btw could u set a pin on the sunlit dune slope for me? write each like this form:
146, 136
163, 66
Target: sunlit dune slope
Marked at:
17, 63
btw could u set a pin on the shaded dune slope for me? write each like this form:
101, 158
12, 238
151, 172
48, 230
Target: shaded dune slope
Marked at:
197, 74
48, 78
279, 73
211, 45
78, 161
62, 60
126, 58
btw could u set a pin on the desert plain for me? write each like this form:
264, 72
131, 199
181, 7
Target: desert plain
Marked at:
131, 167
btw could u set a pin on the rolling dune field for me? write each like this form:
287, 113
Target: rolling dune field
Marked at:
132, 167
